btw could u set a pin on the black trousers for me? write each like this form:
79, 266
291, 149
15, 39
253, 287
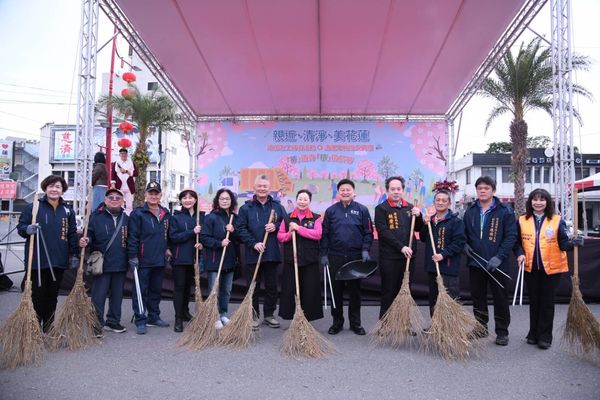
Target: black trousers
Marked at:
392, 274
45, 296
310, 292
451, 284
353, 289
183, 279
479, 281
268, 274
541, 288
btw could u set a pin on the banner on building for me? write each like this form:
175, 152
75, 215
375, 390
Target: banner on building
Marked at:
315, 155
6, 159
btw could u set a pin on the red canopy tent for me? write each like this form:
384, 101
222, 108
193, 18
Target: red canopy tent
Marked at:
589, 183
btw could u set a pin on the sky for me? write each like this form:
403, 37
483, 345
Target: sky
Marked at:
38, 68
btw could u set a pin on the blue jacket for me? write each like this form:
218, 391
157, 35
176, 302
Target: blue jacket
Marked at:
100, 230
252, 218
147, 236
347, 230
498, 235
213, 233
449, 238
60, 233
182, 239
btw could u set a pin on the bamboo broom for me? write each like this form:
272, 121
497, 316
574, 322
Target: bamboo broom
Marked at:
453, 329
302, 339
21, 338
402, 322
581, 332
201, 331
239, 332
197, 292
76, 322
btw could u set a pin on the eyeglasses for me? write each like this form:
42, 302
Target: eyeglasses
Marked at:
114, 198
224, 199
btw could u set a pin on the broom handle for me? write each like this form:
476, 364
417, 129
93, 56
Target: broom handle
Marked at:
224, 250
264, 242
296, 264
197, 239
575, 222
88, 212
412, 233
34, 213
437, 265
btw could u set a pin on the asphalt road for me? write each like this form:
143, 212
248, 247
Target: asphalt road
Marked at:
151, 367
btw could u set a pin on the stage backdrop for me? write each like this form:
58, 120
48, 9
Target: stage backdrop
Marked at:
316, 155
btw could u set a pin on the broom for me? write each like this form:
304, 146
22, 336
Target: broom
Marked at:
21, 338
76, 321
302, 339
581, 332
201, 332
239, 333
453, 329
403, 319
197, 292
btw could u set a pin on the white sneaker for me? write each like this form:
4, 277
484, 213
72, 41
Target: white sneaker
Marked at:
225, 320
218, 325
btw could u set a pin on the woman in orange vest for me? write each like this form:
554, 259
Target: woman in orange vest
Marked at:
542, 245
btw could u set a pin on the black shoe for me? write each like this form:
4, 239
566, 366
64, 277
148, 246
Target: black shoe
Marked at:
187, 316
359, 330
502, 340
98, 333
531, 341
544, 345
178, 325
335, 329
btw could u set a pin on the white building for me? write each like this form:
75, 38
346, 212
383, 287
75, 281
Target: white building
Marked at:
539, 174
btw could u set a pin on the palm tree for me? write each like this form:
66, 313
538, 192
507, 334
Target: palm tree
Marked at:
149, 111
521, 84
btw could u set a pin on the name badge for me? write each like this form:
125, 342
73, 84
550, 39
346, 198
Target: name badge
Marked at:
549, 232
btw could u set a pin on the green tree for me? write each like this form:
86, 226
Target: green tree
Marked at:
533, 142
151, 110
525, 82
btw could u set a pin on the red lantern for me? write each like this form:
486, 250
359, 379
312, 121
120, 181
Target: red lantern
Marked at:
128, 92
129, 77
126, 126
124, 143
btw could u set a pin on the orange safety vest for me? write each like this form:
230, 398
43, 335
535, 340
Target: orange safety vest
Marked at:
553, 258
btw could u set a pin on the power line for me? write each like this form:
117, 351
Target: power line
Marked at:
9, 101
33, 94
20, 116
33, 87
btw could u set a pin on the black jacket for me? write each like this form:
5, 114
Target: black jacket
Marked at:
393, 229
212, 234
498, 236
147, 239
182, 239
449, 238
100, 230
307, 250
347, 230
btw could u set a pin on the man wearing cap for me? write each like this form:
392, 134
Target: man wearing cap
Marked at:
347, 236
107, 233
252, 223
147, 250
122, 173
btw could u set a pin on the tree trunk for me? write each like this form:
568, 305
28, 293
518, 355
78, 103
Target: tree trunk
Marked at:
140, 158
518, 138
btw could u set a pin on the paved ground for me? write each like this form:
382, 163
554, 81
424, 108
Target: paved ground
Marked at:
150, 367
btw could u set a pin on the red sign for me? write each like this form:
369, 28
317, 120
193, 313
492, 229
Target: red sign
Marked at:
8, 190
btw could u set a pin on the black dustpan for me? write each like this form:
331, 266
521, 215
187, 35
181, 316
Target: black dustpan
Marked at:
356, 269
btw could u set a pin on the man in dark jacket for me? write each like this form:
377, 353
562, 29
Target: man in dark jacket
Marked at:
107, 233
147, 250
392, 221
347, 236
449, 237
57, 230
252, 223
491, 231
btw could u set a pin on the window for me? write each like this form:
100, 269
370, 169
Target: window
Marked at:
154, 176
581, 173
172, 179
527, 175
507, 175
547, 174
468, 176
152, 85
71, 178
181, 182
537, 174
489, 171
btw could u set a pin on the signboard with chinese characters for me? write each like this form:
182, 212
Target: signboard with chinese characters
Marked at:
8, 190
63, 144
315, 155
6, 159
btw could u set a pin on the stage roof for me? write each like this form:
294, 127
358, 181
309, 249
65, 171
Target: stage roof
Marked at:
320, 57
